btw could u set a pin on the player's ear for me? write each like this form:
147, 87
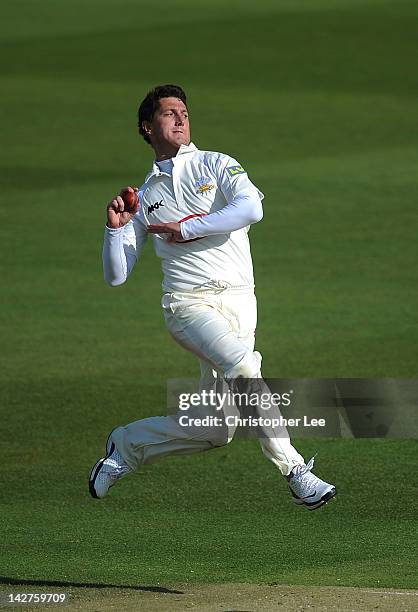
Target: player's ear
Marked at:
146, 126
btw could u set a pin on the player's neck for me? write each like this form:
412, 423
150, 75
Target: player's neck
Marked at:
166, 152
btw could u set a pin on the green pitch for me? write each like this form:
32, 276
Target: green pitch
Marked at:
318, 102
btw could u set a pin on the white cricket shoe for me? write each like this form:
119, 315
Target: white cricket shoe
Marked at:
307, 489
107, 471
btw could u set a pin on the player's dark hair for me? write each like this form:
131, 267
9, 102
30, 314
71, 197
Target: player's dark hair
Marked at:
151, 103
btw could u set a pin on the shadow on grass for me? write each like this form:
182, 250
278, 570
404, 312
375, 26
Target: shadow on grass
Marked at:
88, 585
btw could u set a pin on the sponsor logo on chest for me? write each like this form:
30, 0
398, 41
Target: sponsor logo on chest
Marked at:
155, 206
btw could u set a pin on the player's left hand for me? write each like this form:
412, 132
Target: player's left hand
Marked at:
172, 229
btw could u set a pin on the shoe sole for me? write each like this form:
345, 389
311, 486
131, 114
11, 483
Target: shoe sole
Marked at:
315, 505
97, 467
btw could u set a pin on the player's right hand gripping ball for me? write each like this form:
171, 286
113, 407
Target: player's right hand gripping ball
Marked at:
130, 199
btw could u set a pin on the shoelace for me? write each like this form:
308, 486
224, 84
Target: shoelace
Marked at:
117, 464
302, 469
303, 479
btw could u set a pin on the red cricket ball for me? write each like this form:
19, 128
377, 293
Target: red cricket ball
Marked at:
130, 199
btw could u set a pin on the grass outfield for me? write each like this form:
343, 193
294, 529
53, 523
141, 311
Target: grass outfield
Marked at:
319, 104
224, 516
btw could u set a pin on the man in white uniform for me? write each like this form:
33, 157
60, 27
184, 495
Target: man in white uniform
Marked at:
198, 205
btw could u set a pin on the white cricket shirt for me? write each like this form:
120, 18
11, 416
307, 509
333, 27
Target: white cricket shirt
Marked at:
199, 183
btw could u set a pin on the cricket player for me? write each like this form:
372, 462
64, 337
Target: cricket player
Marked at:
198, 206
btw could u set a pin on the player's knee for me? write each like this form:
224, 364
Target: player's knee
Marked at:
248, 367
223, 436
221, 439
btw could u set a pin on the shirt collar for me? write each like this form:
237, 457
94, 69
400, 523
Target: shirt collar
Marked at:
186, 149
190, 148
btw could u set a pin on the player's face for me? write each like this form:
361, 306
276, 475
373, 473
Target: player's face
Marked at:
170, 126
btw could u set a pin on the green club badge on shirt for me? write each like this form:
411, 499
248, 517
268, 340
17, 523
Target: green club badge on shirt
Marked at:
233, 170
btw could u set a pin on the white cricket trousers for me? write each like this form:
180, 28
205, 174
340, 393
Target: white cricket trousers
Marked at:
219, 328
